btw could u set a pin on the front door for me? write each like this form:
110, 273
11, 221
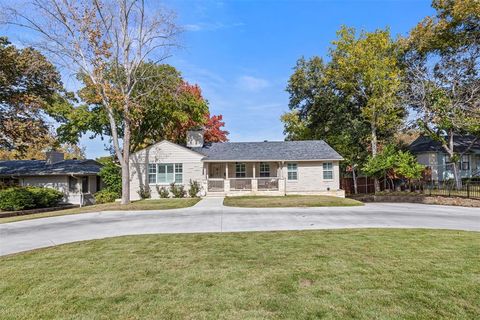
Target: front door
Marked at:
217, 171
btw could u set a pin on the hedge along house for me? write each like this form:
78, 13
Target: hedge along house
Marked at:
238, 168
78, 180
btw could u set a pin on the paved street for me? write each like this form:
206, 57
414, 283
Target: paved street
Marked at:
210, 216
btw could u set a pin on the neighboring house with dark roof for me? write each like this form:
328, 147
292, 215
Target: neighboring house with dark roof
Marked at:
431, 154
238, 168
78, 180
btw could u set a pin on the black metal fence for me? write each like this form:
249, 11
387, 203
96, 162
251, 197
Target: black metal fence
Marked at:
469, 189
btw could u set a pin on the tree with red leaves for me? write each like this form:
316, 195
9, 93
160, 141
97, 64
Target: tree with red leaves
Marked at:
213, 129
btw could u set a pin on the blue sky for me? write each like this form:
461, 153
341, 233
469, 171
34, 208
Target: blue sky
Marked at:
241, 53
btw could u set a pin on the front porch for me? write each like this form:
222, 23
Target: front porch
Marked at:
243, 178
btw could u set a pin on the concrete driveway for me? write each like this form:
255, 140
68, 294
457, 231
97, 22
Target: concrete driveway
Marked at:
210, 216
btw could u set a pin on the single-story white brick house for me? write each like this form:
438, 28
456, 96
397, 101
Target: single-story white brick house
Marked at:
238, 168
78, 180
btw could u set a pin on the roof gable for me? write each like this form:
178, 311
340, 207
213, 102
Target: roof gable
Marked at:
158, 144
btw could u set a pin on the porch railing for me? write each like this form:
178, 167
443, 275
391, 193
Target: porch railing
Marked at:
267, 184
241, 184
215, 185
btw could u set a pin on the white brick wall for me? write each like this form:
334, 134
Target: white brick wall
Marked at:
310, 178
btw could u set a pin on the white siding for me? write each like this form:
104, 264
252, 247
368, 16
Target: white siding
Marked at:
310, 178
163, 152
59, 183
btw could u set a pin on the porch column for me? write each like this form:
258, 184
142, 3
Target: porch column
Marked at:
226, 170
254, 180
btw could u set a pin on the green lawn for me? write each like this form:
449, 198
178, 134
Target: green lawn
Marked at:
157, 204
343, 274
289, 201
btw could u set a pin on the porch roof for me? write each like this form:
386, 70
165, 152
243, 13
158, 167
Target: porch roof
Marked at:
269, 151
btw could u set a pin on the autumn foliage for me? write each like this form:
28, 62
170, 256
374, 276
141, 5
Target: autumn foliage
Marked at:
212, 124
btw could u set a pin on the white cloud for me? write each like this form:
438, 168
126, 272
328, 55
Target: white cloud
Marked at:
249, 83
211, 26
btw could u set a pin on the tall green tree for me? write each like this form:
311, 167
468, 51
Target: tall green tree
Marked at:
29, 86
352, 101
106, 41
165, 104
366, 69
442, 56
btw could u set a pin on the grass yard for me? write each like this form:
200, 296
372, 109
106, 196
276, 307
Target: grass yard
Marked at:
157, 204
342, 274
289, 201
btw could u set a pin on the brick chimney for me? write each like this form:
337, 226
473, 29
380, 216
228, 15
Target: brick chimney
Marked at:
54, 157
195, 138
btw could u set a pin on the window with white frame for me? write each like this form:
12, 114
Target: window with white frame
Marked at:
292, 173
165, 173
240, 170
264, 169
152, 173
465, 162
327, 171
178, 173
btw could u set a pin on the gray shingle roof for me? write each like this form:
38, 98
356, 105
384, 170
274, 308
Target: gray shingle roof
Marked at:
269, 150
427, 144
40, 167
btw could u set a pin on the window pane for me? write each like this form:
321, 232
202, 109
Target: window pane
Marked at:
178, 168
240, 170
292, 171
152, 178
327, 166
264, 169
161, 175
327, 175
169, 176
152, 168
178, 178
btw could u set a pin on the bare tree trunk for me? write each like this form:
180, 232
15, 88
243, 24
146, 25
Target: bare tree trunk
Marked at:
355, 185
125, 163
451, 152
376, 182
456, 176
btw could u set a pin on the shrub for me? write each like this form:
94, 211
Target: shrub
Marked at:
21, 198
16, 199
45, 197
177, 191
105, 196
163, 192
194, 189
111, 175
144, 192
